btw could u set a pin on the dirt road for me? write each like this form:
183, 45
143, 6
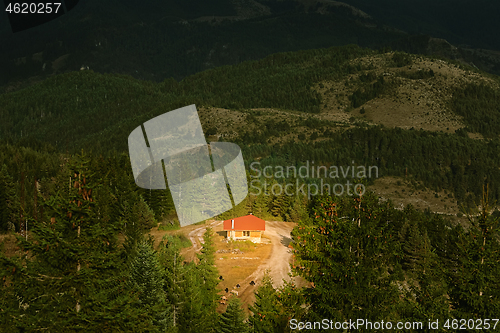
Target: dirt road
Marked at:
277, 262
196, 235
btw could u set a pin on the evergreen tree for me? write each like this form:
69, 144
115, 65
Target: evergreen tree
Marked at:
194, 317
208, 276
267, 312
175, 281
260, 206
232, 320
426, 300
348, 256
146, 279
416, 248
474, 284
141, 214
8, 200
71, 276
280, 205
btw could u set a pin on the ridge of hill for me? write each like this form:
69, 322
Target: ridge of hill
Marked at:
470, 24
344, 86
166, 39
406, 114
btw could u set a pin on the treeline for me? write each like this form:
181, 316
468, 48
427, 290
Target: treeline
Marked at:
479, 105
365, 259
29, 177
438, 160
72, 273
99, 111
165, 40
362, 258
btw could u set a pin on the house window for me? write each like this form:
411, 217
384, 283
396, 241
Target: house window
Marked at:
246, 233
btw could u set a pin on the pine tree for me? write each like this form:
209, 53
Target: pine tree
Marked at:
147, 280
426, 300
8, 200
267, 312
193, 315
416, 248
260, 206
280, 205
141, 214
347, 255
175, 279
474, 284
208, 276
72, 276
232, 320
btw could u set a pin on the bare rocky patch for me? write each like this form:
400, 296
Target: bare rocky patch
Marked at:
419, 103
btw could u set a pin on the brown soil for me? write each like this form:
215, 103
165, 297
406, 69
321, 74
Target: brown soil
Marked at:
241, 268
402, 192
411, 103
10, 248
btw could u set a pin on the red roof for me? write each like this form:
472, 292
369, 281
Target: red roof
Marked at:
248, 223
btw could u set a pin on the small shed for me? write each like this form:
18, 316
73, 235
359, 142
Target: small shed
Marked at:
248, 227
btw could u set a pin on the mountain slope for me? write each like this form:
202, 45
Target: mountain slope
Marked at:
408, 115
341, 85
175, 39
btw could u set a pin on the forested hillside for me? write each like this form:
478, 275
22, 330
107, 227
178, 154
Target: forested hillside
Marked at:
310, 105
362, 258
171, 38
88, 264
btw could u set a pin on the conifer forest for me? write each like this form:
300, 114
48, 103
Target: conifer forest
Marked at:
411, 244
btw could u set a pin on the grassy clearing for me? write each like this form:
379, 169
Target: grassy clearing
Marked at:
236, 266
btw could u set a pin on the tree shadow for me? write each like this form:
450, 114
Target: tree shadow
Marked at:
285, 240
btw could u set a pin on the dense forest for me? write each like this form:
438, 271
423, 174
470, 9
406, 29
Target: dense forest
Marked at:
171, 38
180, 38
86, 109
87, 262
362, 257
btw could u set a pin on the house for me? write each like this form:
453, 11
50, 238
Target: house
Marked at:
247, 227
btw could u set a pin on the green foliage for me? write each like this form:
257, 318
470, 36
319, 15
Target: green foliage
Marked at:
209, 280
369, 92
268, 315
232, 320
9, 201
141, 214
426, 298
150, 48
438, 160
401, 59
479, 104
474, 289
70, 278
416, 246
146, 279
99, 111
190, 288
260, 207
174, 276
348, 255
